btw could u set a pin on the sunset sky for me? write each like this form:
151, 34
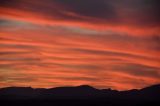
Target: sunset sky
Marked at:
103, 43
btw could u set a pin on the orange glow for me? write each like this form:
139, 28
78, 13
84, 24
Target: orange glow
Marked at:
42, 50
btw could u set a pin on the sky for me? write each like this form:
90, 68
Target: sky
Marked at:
103, 43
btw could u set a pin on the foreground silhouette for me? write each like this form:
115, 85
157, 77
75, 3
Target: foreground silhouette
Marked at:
82, 95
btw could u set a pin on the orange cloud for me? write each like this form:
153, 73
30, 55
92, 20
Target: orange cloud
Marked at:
74, 47
42, 19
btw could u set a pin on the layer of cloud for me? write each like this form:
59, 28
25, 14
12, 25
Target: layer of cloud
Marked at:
64, 43
123, 16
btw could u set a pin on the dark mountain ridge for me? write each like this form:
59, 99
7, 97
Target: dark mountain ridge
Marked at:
82, 93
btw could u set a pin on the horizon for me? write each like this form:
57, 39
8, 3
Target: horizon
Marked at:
80, 86
102, 43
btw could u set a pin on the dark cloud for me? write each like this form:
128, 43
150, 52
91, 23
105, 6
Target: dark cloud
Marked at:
155, 40
138, 70
17, 46
11, 53
7, 2
143, 11
19, 59
90, 8
137, 12
2, 22
109, 53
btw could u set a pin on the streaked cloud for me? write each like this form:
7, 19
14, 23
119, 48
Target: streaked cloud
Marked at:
49, 43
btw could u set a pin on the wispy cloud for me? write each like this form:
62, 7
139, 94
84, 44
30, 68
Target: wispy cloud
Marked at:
48, 43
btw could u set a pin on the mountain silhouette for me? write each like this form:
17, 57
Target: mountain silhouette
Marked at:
80, 95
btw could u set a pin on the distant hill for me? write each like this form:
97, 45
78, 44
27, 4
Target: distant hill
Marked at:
82, 94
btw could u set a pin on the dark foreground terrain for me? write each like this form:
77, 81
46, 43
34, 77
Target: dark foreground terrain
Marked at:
81, 95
